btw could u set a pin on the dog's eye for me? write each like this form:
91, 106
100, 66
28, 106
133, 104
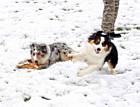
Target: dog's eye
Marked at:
33, 45
104, 44
64, 52
97, 42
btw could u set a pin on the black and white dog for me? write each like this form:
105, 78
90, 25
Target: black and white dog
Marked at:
45, 55
98, 50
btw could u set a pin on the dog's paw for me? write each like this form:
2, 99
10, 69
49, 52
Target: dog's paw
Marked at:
113, 71
70, 56
43, 66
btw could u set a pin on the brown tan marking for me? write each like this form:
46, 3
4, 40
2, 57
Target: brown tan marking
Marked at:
111, 67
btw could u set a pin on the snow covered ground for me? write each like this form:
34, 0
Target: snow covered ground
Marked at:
25, 21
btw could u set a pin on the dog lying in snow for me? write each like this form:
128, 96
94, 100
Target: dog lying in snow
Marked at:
43, 55
98, 50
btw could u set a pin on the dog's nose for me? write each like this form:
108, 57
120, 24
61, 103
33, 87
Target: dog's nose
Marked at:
36, 61
98, 49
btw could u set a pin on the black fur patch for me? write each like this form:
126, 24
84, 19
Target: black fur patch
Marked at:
112, 56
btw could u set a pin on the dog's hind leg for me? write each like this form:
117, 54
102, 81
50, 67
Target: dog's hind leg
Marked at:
111, 67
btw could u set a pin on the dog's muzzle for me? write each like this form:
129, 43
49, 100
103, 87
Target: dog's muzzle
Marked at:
97, 50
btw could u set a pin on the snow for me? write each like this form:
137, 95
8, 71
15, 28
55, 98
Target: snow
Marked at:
25, 21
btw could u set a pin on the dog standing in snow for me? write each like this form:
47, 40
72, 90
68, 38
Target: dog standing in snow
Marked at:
98, 50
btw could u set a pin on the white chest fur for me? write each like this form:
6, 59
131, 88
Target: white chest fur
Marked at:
89, 55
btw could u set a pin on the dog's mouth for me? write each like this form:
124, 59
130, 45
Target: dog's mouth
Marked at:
98, 50
39, 55
36, 62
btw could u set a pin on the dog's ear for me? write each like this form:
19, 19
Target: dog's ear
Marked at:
43, 46
95, 38
92, 37
99, 32
32, 45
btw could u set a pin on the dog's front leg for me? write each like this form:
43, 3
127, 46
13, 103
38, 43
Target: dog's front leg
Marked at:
76, 56
43, 66
87, 70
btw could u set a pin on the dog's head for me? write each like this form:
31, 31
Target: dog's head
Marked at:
100, 42
39, 53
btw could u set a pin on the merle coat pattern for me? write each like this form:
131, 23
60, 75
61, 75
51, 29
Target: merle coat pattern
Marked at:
45, 55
